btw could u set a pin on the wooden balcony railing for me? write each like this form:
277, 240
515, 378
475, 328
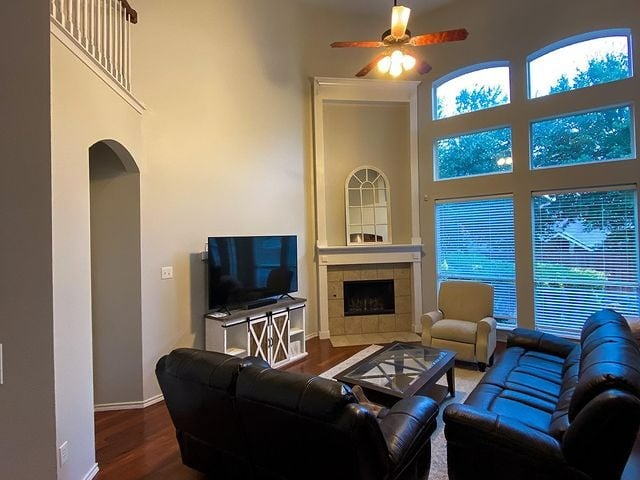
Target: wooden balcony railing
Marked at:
101, 29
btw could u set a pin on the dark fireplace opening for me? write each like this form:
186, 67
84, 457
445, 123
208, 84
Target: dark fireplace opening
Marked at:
368, 297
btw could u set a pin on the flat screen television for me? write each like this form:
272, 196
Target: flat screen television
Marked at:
244, 272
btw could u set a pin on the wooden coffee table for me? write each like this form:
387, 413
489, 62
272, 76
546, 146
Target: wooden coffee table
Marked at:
401, 370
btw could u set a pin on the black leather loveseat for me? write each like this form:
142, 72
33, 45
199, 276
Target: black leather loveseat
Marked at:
240, 419
551, 409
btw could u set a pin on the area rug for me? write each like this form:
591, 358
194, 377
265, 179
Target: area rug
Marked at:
466, 380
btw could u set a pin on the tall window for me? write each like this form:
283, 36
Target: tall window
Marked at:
580, 63
484, 87
475, 241
585, 250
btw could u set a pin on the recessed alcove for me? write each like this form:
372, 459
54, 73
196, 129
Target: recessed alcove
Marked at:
367, 125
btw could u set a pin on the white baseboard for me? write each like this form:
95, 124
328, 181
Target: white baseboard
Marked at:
107, 407
310, 336
92, 473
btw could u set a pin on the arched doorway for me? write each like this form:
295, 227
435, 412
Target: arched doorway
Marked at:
115, 276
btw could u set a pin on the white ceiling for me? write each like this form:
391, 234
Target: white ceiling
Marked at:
381, 7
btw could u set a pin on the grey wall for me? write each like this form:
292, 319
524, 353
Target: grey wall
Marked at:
115, 278
27, 441
373, 134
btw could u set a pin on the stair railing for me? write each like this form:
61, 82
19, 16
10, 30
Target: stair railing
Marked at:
102, 29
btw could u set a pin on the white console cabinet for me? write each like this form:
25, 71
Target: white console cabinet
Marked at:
275, 332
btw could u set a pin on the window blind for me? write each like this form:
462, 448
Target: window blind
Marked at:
585, 247
475, 241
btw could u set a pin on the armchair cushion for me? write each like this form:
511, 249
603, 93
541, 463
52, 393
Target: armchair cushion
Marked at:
455, 330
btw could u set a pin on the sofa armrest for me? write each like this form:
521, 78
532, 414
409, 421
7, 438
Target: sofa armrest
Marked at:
541, 342
480, 429
428, 320
407, 426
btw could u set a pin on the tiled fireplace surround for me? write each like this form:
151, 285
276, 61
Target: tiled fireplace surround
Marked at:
402, 263
400, 321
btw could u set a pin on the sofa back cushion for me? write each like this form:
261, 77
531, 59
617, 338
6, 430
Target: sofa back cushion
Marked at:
609, 359
570, 371
199, 391
462, 300
317, 422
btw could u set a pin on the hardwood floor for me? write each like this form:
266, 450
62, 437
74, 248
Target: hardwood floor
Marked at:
141, 444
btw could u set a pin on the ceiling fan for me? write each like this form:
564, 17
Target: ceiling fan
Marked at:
394, 60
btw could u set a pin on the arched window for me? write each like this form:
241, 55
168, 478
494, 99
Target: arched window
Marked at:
471, 89
579, 62
367, 206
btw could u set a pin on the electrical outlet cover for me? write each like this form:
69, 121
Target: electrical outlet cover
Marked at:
64, 453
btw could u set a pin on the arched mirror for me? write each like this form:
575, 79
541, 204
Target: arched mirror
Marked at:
367, 201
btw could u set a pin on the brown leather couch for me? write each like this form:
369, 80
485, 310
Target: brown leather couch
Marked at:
551, 408
239, 419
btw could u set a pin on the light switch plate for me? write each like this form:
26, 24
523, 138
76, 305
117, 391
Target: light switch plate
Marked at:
166, 273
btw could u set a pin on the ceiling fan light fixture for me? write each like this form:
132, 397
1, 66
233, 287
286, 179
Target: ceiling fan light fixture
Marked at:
399, 20
384, 64
408, 62
395, 69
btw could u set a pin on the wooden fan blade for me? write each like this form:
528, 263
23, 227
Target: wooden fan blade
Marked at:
370, 66
439, 37
423, 67
357, 44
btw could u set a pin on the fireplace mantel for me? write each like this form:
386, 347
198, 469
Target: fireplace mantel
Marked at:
368, 254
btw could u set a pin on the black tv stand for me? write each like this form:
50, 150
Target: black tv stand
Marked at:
261, 303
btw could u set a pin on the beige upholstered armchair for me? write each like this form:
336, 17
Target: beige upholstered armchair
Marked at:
463, 322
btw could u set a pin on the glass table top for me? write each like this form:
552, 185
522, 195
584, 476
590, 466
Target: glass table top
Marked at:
395, 368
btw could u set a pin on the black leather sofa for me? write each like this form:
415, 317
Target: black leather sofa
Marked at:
239, 419
551, 408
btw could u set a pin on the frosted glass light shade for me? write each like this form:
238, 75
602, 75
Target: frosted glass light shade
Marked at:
408, 62
399, 20
384, 64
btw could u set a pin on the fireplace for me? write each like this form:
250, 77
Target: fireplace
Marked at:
368, 297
